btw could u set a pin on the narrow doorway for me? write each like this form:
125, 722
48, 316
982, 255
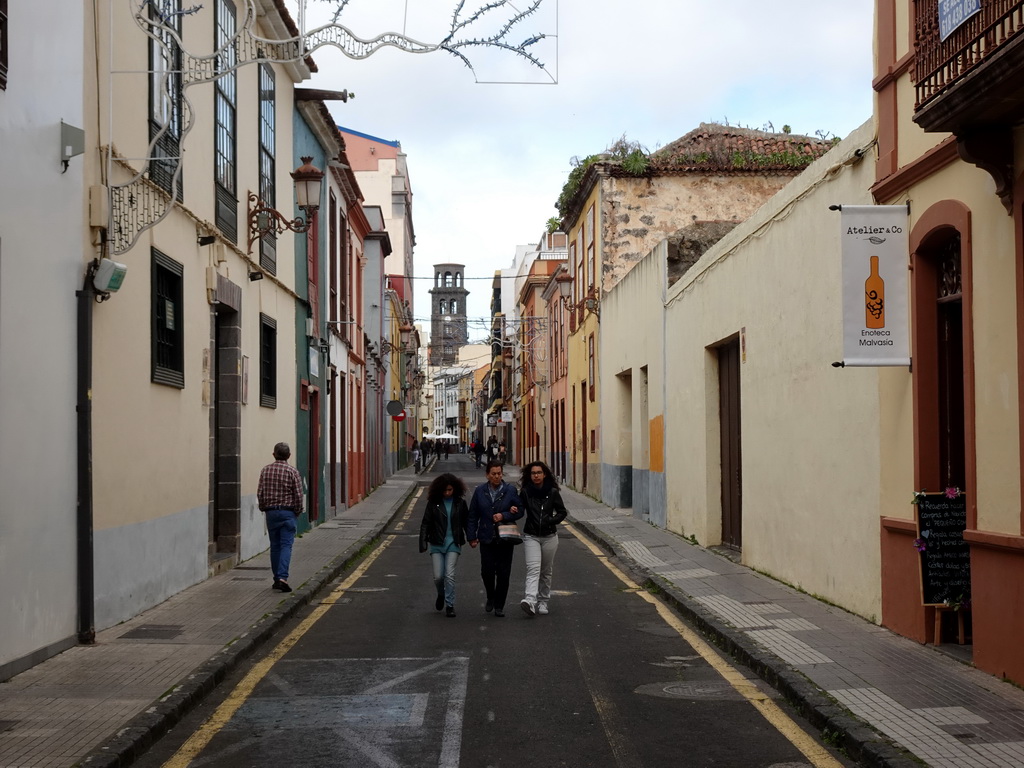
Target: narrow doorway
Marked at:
949, 313
314, 454
583, 433
225, 429
729, 430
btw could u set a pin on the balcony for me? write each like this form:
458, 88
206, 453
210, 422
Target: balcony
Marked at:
974, 79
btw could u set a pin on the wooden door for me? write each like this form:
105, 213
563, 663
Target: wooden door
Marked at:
729, 427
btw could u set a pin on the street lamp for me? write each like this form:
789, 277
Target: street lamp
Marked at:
263, 219
564, 287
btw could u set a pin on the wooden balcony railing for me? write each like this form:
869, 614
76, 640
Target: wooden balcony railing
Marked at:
940, 63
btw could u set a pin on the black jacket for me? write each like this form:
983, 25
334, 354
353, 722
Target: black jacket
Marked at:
435, 523
544, 510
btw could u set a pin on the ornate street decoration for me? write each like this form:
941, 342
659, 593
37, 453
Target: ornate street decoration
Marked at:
139, 204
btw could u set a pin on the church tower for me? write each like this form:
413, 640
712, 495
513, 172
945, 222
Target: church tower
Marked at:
447, 314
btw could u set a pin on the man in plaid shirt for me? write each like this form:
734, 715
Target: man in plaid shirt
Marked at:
280, 497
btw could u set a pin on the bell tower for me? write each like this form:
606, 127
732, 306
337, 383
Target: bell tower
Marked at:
447, 314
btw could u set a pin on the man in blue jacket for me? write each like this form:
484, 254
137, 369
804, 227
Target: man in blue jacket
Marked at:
493, 503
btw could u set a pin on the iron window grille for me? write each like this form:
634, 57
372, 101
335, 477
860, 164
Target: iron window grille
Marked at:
165, 98
225, 105
268, 361
268, 191
168, 337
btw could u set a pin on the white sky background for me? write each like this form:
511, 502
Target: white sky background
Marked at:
487, 162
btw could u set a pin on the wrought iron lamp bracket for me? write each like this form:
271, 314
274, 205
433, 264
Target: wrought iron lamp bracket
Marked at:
263, 220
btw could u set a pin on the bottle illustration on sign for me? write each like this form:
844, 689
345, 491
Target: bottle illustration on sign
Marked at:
874, 298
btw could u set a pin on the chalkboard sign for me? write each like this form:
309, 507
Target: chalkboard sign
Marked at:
945, 556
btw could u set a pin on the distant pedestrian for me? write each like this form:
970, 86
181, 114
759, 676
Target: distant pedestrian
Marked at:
492, 448
447, 448
279, 494
493, 502
544, 511
502, 455
478, 451
416, 455
442, 533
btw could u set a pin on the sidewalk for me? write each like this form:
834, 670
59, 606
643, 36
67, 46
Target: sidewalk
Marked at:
64, 711
828, 662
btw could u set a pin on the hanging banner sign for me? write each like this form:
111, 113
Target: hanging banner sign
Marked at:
875, 258
953, 13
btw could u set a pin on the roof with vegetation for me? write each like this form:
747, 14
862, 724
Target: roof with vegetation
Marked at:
725, 148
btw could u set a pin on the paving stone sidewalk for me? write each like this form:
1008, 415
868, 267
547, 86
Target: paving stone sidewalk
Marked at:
103, 705
841, 670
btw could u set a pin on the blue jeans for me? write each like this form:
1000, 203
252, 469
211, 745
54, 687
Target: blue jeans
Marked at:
444, 573
281, 529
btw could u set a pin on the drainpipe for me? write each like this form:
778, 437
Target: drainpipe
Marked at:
86, 586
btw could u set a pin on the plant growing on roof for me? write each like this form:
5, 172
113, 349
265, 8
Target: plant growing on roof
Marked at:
631, 156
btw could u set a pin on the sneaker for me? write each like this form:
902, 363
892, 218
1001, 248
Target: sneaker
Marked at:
528, 607
542, 609
499, 614
439, 603
489, 606
282, 586
449, 611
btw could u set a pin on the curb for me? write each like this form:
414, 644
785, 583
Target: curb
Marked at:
853, 736
130, 742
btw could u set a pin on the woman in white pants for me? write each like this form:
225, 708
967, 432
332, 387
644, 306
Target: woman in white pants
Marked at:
544, 511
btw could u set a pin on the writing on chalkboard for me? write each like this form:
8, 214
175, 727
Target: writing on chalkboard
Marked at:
945, 556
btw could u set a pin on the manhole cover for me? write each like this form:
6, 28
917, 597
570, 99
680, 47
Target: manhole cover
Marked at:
692, 690
154, 632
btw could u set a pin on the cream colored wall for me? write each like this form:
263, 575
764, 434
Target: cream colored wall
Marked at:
911, 141
577, 348
151, 442
632, 336
178, 420
811, 437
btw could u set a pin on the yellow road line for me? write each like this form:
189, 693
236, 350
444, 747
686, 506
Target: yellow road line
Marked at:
199, 740
771, 711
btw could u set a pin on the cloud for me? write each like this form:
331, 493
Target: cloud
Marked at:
487, 162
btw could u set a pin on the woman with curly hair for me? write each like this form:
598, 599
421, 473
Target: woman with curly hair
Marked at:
442, 533
544, 511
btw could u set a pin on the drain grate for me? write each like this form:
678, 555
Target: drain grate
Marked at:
154, 632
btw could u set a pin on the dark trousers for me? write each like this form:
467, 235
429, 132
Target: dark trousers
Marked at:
495, 569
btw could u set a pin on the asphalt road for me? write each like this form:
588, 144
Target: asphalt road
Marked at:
374, 676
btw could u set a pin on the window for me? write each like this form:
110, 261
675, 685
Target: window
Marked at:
3, 45
591, 250
332, 257
165, 97
268, 143
225, 105
590, 370
167, 352
268, 361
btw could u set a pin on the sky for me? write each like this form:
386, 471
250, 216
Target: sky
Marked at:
489, 149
